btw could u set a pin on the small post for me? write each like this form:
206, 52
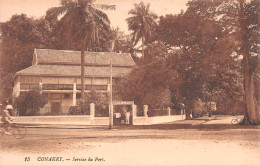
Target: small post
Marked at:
169, 111
145, 111
92, 113
133, 113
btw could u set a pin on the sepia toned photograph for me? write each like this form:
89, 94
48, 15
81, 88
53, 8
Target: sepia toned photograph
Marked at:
129, 83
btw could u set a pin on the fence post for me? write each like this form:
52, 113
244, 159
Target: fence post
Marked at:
145, 111
92, 113
133, 113
169, 111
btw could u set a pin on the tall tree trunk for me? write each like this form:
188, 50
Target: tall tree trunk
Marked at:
250, 111
249, 92
257, 88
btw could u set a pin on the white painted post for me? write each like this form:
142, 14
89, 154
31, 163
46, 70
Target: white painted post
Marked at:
169, 111
74, 98
133, 113
108, 87
111, 117
92, 113
145, 111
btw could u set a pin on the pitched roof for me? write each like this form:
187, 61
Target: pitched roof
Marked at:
67, 70
50, 56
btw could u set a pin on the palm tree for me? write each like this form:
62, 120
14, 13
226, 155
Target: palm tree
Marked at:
141, 22
117, 37
80, 24
123, 43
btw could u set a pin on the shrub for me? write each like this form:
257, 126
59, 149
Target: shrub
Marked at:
99, 99
29, 103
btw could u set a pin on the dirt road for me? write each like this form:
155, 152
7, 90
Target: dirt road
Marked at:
165, 144
143, 145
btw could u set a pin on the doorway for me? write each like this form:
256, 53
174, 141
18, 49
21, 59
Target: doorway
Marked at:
123, 112
55, 108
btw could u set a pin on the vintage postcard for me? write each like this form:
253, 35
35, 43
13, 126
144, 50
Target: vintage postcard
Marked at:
129, 82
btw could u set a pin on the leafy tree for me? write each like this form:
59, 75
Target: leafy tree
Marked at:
118, 39
248, 24
193, 61
127, 46
170, 29
239, 21
6, 84
29, 103
225, 87
154, 52
207, 43
142, 23
20, 36
147, 84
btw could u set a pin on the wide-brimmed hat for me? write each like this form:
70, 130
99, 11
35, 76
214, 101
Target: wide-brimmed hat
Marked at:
9, 107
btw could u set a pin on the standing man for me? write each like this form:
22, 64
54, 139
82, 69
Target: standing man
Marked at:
127, 116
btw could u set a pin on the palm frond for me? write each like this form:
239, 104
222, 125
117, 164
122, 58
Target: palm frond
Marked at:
54, 12
104, 6
100, 18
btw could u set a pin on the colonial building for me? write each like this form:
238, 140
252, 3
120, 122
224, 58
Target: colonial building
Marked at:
57, 74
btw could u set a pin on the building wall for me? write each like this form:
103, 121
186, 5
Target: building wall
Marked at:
58, 90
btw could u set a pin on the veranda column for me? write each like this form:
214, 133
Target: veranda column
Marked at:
74, 98
145, 111
108, 87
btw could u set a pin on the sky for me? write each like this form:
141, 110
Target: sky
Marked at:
37, 8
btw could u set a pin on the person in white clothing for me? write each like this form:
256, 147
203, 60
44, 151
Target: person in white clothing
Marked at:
127, 117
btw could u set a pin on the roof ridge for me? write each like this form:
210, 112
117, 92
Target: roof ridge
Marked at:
72, 57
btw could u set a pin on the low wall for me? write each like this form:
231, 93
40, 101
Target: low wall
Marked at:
86, 120
78, 120
101, 121
157, 119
